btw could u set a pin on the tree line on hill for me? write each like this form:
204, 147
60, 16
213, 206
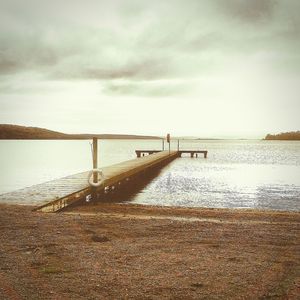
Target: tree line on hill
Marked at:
16, 132
290, 136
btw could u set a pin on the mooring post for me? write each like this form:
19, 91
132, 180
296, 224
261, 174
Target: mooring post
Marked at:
169, 141
95, 166
163, 144
177, 145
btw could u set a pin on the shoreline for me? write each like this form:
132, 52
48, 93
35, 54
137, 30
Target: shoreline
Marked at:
119, 251
34, 205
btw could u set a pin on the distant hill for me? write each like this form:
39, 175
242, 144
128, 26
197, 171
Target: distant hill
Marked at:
16, 132
284, 136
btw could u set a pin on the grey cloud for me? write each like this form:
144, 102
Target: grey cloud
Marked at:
146, 89
151, 48
140, 40
29, 52
145, 69
8, 66
253, 10
13, 63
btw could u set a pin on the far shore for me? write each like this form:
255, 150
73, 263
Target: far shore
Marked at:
127, 251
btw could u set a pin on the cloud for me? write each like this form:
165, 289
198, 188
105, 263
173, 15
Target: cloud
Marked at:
141, 40
29, 51
8, 66
160, 88
250, 11
142, 69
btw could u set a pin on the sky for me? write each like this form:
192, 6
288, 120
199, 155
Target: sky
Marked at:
218, 68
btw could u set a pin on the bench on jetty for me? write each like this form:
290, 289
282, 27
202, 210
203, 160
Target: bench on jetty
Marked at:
60, 193
140, 153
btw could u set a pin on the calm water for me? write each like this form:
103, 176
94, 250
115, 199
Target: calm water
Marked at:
250, 174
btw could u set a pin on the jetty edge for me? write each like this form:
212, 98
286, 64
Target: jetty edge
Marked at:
114, 177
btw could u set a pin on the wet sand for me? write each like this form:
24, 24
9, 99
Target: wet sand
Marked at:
118, 251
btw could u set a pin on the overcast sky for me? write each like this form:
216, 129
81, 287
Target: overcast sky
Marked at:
218, 68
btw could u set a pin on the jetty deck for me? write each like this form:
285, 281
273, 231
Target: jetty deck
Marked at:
54, 195
140, 153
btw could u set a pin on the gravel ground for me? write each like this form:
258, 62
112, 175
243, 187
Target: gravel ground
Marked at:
118, 251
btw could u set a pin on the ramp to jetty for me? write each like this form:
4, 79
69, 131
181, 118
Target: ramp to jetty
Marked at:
54, 195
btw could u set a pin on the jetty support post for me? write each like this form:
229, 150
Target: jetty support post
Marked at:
163, 144
169, 142
177, 145
95, 166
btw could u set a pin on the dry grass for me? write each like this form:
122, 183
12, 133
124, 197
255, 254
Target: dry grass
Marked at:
113, 251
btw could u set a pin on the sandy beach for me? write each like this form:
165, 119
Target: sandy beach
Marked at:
123, 251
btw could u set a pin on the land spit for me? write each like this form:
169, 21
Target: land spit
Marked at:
126, 251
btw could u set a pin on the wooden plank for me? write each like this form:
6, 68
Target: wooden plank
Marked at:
56, 194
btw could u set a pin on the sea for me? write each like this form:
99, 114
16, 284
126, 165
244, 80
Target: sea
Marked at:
253, 174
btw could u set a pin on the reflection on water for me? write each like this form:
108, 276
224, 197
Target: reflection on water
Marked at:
197, 182
256, 174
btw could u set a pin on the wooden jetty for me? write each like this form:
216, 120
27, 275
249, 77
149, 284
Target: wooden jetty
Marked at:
140, 153
57, 194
